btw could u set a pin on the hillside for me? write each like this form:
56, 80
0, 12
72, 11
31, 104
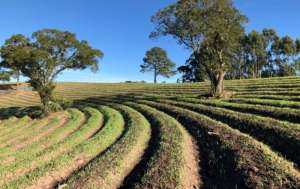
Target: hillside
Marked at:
155, 136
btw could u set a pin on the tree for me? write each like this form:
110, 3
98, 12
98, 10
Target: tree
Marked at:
285, 51
255, 47
4, 76
192, 71
213, 27
47, 54
157, 61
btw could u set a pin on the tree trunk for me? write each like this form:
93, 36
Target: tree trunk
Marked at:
217, 84
155, 75
216, 77
46, 95
18, 80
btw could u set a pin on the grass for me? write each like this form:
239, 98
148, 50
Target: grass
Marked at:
286, 114
277, 134
87, 150
260, 167
141, 136
109, 170
164, 169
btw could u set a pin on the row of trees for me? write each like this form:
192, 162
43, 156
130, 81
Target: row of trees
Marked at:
260, 54
213, 30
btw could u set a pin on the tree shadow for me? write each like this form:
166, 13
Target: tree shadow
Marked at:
32, 111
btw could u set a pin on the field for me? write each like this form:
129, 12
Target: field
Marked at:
163, 136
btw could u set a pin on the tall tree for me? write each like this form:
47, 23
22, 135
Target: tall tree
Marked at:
271, 37
255, 46
211, 26
43, 57
157, 61
285, 51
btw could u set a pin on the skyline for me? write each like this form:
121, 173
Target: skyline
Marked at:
122, 34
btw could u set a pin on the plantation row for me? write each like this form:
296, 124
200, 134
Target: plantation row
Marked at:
146, 139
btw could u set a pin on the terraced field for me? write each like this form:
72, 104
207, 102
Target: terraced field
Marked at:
163, 136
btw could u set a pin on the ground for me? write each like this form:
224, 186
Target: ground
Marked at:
154, 136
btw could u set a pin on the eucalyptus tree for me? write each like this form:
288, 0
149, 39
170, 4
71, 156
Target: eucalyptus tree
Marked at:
158, 62
255, 45
44, 56
211, 26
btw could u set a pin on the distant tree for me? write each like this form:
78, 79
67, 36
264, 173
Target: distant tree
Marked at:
15, 73
286, 52
187, 74
265, 54
157, 61
271, 37
43, 57
211, 29
255, 48
5, 76
192, 71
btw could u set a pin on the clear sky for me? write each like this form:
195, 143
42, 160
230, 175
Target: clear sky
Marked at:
120, 28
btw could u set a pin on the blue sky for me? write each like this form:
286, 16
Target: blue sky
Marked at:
120, 28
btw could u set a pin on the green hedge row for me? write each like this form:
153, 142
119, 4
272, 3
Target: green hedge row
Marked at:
234, 160
286, 114
164, 166
110, 169
266, 102
277, 134
65, 164
270, 97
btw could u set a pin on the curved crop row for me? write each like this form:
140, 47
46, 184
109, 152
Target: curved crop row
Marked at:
286, 114
17, 140
235, 160
110, 169
32, 161
32, 149
165, 167
49, 174
40, 128
13, 128
266, 102
271, 97
7, 123
277, 134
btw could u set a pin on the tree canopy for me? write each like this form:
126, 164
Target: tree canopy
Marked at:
45, 55
211, 29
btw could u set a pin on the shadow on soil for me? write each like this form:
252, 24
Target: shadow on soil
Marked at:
33, 112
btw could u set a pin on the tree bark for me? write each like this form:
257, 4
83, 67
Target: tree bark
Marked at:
46, 96
217, 84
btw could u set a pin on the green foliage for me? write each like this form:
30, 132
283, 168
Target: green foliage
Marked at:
157, 60
64, 102
166, 164
192, 71
220, 144
4, 76
240, 145
265, 54
113, 164
43, 57
260, 128
211, 29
